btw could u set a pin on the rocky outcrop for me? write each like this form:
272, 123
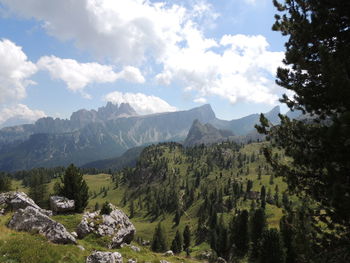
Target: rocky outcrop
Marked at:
116, 225
60, 204
169, 253
32, 220
104, 257
19, 200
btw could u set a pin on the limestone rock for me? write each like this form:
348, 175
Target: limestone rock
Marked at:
169, 253
19, 200
104, 257
60, 204
116, 225
81, 247
135, 248
74, 234
32, 220
163, 261
131, 260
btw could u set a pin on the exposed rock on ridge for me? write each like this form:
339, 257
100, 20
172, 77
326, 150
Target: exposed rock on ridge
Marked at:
32, 220
116, 225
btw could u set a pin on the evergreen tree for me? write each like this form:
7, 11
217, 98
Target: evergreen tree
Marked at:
159, 243
38, 189
263, 197
176, 245
106, 209
317, 70
131, 209
74, 187
239, 234
177, 217
271, 247
257, 227
187, 237
5, 183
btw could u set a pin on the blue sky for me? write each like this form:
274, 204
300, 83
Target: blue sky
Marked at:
59, 56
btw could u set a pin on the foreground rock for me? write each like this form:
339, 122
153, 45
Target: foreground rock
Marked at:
105, 257
19, 200
60, 204
32, 220
116, 225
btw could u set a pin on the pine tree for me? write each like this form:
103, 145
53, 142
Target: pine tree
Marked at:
187, 237
159, 240
177, 217
239, 234
257, 227
263, 197
74, 187
271, 247
38, 189
5, 183
317, 60
176, 245
131, 209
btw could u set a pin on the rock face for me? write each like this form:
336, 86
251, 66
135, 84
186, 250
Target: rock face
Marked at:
31, 220
19, 200
116, 225
105, 257
60, 204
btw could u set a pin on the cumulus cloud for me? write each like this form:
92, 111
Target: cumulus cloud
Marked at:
19, 114
135, 32
143, 104
242, 71
15, 72
78, 75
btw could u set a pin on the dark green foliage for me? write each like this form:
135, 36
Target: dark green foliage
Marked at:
5, 183
97, 206
239, 234
318, 60
187, 237
38, 189
106, 209
159, 243
176, 245
263, 197
257, 226
177, 217
132, 209
271, 247
74, 187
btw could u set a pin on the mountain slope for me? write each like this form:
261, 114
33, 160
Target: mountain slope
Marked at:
91, 135
205, 134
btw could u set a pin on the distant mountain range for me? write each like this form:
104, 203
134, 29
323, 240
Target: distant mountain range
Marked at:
106, 133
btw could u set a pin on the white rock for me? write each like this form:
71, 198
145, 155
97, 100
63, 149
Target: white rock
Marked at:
31, 220
116, 225
60, 204
104, 257
169, 253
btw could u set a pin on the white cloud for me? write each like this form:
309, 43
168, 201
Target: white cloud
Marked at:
200, 100
143, 104
78, 75
19, 114
131, 74
15, 71
135, 32
242, 71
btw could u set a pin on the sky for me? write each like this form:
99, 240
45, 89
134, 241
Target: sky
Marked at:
57, 57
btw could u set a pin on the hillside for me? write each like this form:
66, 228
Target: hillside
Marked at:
195, 184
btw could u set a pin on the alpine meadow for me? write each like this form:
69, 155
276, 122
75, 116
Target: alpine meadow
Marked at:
146, 131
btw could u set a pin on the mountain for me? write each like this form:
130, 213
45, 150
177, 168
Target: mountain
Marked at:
246, 124
91, 135
205, 134
127, 159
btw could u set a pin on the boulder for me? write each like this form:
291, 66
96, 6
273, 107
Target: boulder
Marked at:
163, 261
169, 253
19, 200
104, 257
32, 220
131, 260
60, 204
116, 225
135, 248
